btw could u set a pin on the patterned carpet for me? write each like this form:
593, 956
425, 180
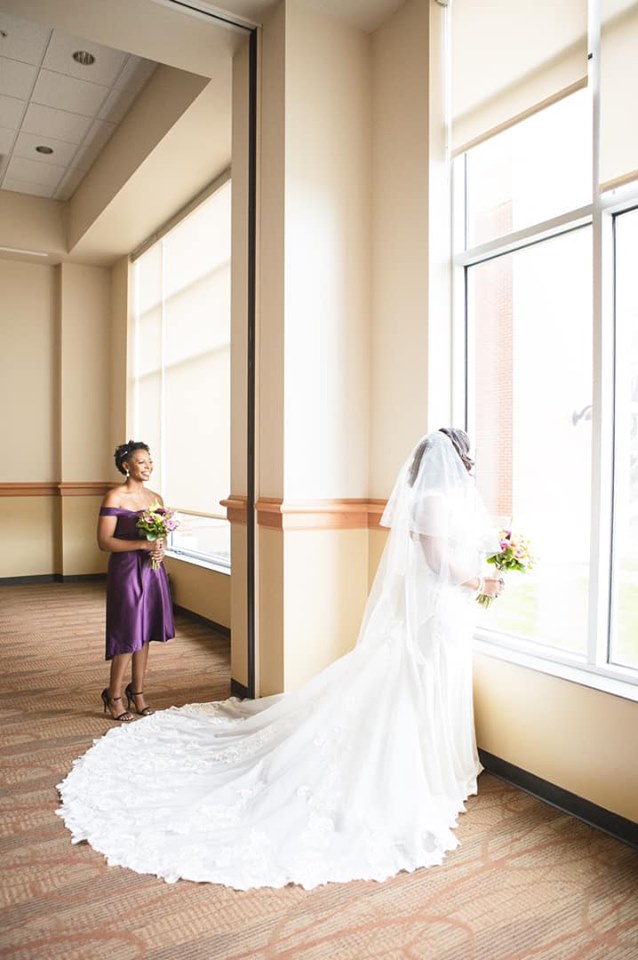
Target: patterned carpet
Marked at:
527, 881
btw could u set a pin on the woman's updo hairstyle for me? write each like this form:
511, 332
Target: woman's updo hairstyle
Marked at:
461, 443
126, 450
459, 440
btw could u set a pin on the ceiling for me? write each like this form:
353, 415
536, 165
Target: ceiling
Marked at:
155, 101
56, 114
366, 15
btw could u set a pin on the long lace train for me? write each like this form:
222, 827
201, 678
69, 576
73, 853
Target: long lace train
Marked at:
359, 775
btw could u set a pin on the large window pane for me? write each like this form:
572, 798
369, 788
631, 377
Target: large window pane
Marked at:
535, 170
624, 646
530, 325
182, 371
204, 538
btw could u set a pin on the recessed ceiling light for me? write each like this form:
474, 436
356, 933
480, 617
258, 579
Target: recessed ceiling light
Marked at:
43, 149
84, 57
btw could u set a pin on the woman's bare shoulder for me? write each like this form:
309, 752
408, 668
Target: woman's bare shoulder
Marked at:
156, 497
113, 497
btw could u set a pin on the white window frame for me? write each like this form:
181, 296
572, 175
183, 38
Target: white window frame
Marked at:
593, 669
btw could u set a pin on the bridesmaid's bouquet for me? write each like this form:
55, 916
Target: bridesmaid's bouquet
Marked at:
515, 554
156, 522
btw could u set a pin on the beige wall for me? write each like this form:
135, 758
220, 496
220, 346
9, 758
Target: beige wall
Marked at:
28, 372
238, 361
271, 238
580, 739
85, 315
202, 591
119, 337
272, 599
238, 605
55, 393
314, 311
162, 101
322, 564
401, 157
327, 256
29, 533
80, 553
32, 223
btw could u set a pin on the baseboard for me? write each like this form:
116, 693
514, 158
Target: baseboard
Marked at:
590, 813
217, 627
80, 578
52, 578
237, 689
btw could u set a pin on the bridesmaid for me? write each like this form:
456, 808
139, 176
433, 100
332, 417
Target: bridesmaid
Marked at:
138, 601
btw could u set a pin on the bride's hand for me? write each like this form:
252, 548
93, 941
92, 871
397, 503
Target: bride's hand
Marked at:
494, 587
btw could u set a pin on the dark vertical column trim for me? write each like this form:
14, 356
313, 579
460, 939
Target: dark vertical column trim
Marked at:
251, 360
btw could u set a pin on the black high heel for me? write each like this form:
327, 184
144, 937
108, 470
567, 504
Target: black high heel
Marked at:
107, 700
130, 699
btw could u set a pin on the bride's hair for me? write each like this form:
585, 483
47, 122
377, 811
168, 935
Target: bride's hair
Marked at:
126, 450
461, 443
459, 440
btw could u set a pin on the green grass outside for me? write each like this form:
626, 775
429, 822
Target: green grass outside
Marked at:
556, 616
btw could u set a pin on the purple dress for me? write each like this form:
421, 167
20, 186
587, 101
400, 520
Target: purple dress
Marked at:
138, 599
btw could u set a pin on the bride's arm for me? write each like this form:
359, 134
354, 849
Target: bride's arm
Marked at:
437, 556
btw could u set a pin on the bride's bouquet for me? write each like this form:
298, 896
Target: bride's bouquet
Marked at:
156, 522
515, 554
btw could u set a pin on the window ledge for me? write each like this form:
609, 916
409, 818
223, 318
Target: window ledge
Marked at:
574, 673
198, 562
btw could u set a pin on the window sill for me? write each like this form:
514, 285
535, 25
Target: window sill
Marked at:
198, 562
574, 673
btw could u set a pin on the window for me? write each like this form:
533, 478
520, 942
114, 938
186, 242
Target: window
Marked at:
181, 373
531, 315
531, 172
548, 310
624, 634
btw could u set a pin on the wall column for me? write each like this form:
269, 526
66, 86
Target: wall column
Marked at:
84, 365
314, 305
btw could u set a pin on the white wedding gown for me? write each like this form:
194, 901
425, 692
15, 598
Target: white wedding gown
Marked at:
358, 775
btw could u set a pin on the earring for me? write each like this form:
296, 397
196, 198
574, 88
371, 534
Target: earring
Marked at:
127, 474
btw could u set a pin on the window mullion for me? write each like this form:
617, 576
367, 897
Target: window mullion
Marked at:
602, 385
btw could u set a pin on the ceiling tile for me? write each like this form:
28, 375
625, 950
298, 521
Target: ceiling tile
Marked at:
22, 186
60, 124
116, 104
49, 99
84, 158
6, 139
62, 155
66, 93
59, 57
135, 73
70, 183
99, 133
17, 78
31, 171
25, 40
11, 112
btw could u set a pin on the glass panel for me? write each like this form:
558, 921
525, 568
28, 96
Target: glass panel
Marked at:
182, 365
205, 538
530, 321
535, 170
197, 356
624, 646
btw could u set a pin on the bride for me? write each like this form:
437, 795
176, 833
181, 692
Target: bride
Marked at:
359, 774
